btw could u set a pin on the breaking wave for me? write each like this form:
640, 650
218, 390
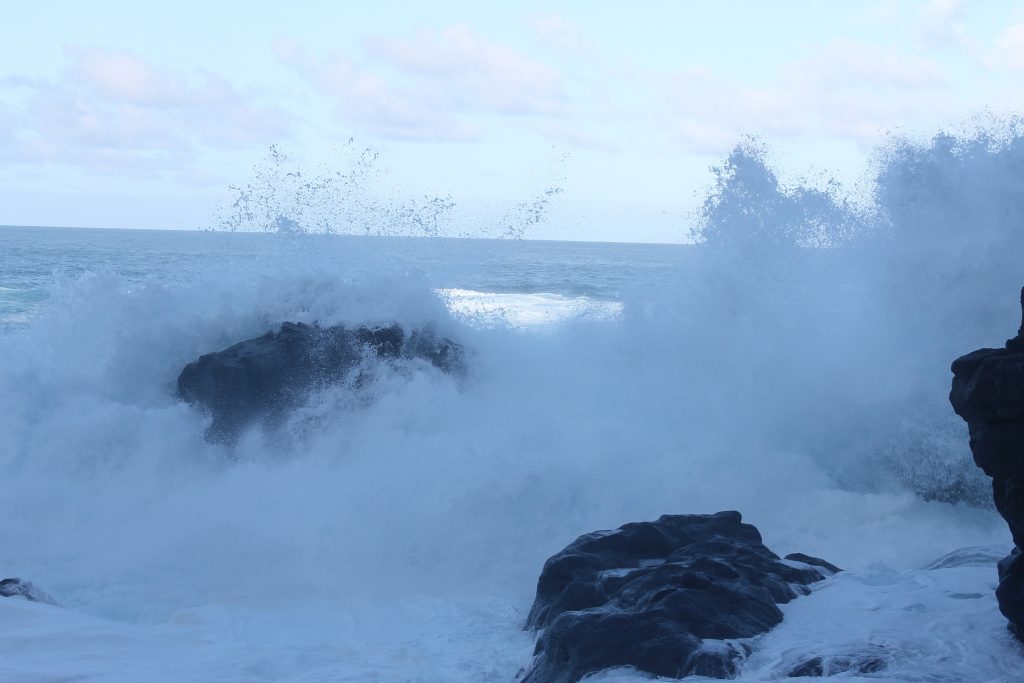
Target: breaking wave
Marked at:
796, 369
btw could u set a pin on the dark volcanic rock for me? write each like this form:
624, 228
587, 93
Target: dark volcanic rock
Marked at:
1010, 591
666, 597
19, 588
988, 392
259, 380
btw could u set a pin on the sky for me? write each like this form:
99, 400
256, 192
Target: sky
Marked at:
144, 115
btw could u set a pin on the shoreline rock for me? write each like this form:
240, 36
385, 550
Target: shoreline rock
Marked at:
674, 597
988, 393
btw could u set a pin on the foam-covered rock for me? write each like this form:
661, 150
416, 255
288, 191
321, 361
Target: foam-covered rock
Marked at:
674, 597
258, 380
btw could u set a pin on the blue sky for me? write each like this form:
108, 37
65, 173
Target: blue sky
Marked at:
136, 115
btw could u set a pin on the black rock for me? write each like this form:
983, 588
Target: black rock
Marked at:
19, 588
259, 380
988, 384
1010, 592
669, 597
996, 445
988, 393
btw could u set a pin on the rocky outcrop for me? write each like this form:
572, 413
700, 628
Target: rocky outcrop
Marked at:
674, 597
19, 588
259, 380
988, 393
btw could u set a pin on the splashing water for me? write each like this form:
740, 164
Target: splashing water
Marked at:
284, 197
795, 368
350, 198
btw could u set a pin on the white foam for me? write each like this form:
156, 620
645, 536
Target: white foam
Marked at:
422, 640
526, 310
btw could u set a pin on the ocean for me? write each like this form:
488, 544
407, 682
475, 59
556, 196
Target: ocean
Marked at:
798, 377
516, 274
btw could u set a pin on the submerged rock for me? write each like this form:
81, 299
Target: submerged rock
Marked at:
19, 588
258, 380
988, 393
829, 568
869, 661
671, 597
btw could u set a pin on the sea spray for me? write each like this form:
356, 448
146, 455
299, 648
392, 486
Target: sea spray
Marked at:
796, 383
352, 197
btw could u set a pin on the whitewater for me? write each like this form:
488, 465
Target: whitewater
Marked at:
794, 366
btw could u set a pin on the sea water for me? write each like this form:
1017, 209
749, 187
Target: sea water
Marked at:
799, 377
532, 280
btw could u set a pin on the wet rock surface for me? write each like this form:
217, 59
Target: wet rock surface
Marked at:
674, 597
259, 380
988, 393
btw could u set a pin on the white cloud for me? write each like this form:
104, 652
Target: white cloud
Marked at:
365, 99
941, 24
875, 66
433, 86
707, 112
558, 33
849, 90
479, 74
111, 110
1009, 49
125, 77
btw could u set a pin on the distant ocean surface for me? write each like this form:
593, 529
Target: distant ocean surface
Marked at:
525, 282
